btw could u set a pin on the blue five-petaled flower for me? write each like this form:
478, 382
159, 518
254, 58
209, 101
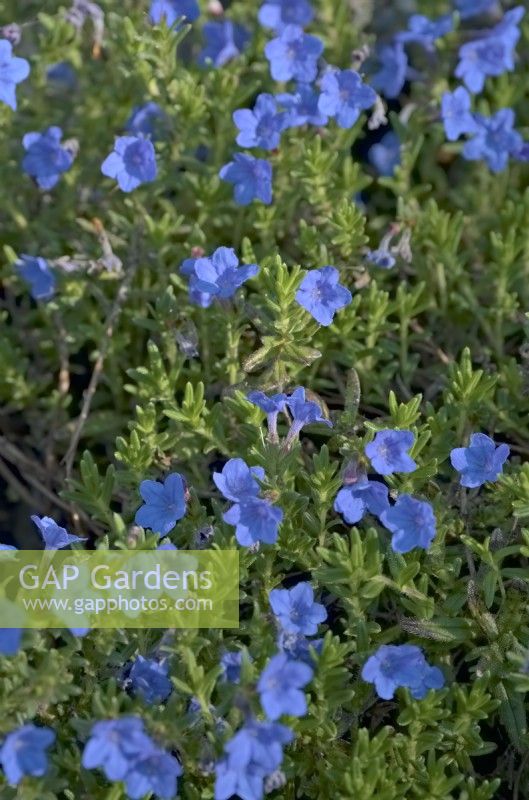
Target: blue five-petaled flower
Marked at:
150, 680
494, 140
225, 40
412, 523
54, 537
280, 687
13, 70
344, 96
480, 462
392, 70
492, 54
304, 412
38, 274
294, 55
255, 520
164, 504
237, 481
296, 610
272, 406
46, 159
24, 752
220, 275
301, 106
353, 501
251, 178
322, 295
394, 666
456, 114
388, 452
131, 163
262, 126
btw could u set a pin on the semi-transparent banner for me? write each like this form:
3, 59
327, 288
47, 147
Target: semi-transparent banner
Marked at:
119, 589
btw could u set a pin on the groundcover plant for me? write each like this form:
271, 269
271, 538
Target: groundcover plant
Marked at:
265, 275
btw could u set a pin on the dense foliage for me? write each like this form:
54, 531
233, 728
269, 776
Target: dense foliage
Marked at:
117, 374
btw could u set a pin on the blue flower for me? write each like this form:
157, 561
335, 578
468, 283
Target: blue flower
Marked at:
294, 55
393, 68
251, 178
198, 297
255, 520
131, 163
277, 14
54, 537
492, 54
262, 126
62, 74
225, 40
404, 665
381, 258
425, 31
172, 10
280, 687
115, 745
149, 679
480, 462
494, 140
38, 274
244, 782
344, 96
354, 501
388, 452
237, 480
321, 294
297, 647
302, 107
304, 412
231, 663
10, 639
385, 155
296, 610
272, 406
471, 8
412, 523
45, 158
155, 772
23, 752
260, 744
13, 70
220, 275
146, 120
456, 114
255, 751
164, 504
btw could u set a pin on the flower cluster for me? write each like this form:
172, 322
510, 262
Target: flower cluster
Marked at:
255, 518
256, 751
303, 411
124, 751
293, 55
